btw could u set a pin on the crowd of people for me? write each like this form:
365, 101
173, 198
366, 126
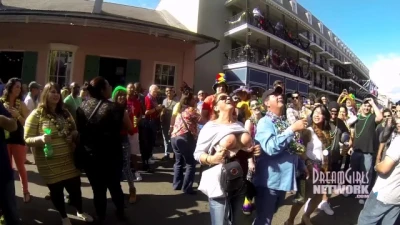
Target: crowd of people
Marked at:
252, 149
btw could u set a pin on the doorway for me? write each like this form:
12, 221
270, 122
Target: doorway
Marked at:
113, 70
11, 65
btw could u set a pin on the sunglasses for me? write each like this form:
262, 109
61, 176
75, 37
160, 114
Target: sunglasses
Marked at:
169, 91
386, 116
254, 105
297, 97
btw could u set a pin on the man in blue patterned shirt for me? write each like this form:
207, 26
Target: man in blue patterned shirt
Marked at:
276, 166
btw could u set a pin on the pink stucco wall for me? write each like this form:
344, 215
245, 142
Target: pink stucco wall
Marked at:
101, 42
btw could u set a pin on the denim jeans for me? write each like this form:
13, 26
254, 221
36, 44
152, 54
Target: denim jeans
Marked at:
8, 203
268, 202
361, 162
219, 212
184, 146
376, 212
167, 139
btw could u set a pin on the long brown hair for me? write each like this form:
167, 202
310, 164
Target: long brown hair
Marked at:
43, 99
9, 86
323, 132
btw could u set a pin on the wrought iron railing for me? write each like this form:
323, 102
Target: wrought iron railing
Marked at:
268, 58
318, 83
257, 19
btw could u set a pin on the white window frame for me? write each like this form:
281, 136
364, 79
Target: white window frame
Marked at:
309, 17
293, 3
330, 35
61, 47
321, 27
280, 1
165, 64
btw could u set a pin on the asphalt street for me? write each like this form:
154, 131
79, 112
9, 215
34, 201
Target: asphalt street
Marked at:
159, 204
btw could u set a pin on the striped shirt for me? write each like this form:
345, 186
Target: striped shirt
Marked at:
61, 165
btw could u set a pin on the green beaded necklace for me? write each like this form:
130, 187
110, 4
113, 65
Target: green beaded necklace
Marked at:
362, 129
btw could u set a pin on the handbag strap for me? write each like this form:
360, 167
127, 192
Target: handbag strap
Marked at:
184, 122
94, 111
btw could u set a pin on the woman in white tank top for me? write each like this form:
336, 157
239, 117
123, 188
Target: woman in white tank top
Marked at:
318, 139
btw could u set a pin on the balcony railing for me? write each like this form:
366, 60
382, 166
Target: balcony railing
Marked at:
256, 19
318, 83
268, 58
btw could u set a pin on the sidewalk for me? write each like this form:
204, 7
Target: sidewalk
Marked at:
158, 204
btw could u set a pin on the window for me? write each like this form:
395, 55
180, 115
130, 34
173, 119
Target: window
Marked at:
330, 35
164, 76
60, 63
60, 67
293, 3
280, 1
321, 27
309, 17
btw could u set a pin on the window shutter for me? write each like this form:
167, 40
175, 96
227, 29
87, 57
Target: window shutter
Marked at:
92, 65
133, 67
29, 65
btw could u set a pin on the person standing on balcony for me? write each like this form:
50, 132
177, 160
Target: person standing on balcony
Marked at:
220, 86
365, 141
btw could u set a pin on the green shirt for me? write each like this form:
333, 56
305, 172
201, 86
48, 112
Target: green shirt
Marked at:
72, 104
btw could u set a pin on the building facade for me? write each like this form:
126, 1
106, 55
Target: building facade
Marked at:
76, 40
268, 40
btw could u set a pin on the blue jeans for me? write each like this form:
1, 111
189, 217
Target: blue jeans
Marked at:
8, 202
219, 212
361, 162
268, 202
167, 139
184, 146
375, 212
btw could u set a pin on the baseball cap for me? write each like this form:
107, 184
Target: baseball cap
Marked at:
34, 84
277, 90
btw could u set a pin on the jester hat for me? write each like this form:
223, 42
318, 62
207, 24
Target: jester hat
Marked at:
118, 89
220, 79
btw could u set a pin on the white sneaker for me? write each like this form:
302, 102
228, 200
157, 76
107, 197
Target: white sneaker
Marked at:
85, 217
138, 176
306, 205
151, 161
324, 206
361, 201
66, 221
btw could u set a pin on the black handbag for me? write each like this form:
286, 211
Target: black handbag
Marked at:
232, 177
82, 152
